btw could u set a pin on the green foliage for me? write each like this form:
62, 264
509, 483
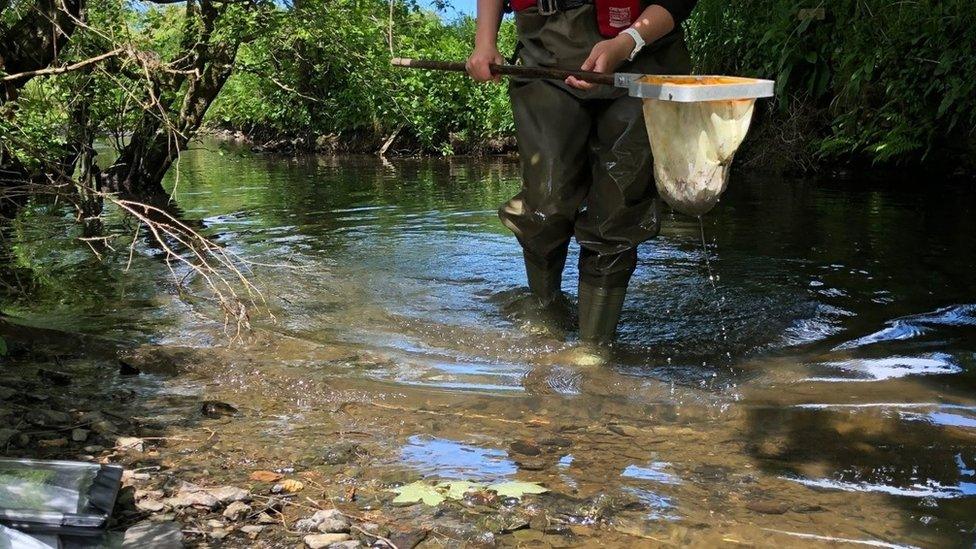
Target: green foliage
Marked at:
891, 77
327, 71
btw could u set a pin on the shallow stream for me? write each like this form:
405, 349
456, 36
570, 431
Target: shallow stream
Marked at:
815, 385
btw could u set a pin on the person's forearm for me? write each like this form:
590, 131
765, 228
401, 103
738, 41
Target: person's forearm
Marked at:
654, 22
486, 27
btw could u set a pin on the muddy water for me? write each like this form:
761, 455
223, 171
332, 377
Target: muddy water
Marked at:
818, 388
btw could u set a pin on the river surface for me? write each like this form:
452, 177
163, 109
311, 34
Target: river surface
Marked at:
804, 378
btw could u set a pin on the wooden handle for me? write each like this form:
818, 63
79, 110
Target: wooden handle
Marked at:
508, 70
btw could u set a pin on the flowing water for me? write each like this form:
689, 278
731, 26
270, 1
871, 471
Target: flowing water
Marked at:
812, 383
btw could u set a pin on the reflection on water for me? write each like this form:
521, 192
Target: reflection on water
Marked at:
828, 372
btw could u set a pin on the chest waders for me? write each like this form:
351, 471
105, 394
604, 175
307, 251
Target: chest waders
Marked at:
586, 166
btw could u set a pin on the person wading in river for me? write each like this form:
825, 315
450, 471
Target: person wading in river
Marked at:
586, 161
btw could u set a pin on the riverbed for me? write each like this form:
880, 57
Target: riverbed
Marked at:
795, 369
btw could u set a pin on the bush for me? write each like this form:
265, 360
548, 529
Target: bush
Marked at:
890, 78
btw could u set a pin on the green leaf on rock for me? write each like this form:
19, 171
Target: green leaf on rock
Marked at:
516, 489
416, 492
457, 488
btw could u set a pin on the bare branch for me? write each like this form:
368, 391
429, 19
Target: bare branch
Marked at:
61, 70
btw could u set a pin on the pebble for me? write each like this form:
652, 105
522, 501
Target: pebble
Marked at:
330, 521
408, 540
320, 541
525, 448
216, 409
768, 507
79, 435
252, 530
129, 444
150, 505
236, 509
350, 544
104, 427
341, 452
265, 518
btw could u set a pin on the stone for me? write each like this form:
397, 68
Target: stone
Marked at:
158, 535
350, 544
42, 416
130, 444
408, 540
104, 427
326, 521
768, 507
79, 435
150, 505
320, 541
128, 369
252, 530
7, 392
93, 449
341, 452
236, 510
216, 409
265, 518
525, 448
7, 436
191, 495
228, 494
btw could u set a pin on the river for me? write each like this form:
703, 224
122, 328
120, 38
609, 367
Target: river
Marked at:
811, 382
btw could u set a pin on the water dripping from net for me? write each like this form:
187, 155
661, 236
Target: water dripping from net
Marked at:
713, 279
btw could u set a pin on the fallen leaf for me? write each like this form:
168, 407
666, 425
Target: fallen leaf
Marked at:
416, 492
265, 476
516, 489
457, 488
292, 485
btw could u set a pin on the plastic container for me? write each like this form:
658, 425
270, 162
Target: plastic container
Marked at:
57, 497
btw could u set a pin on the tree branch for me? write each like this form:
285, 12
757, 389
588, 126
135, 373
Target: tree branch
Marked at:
61, 70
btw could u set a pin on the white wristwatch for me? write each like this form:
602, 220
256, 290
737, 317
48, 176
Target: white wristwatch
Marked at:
638, 41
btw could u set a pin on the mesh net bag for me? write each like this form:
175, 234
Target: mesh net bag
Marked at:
693, 144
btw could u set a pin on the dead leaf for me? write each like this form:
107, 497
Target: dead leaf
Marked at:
266, 476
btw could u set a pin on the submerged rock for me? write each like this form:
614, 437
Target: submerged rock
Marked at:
341, 452
320, 541
216, 409
330, 521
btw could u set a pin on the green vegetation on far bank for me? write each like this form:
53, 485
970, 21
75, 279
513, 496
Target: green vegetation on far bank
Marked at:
858, 81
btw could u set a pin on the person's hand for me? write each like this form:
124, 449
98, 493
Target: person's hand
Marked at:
479, 61
605, 56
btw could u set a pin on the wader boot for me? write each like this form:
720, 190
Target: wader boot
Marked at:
599, 312
545, 277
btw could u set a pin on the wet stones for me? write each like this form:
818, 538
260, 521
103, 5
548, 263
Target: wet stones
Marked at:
525, 448
341, 453
768, 507
329, 521
216, 409
321, 541
236, 510
408, 540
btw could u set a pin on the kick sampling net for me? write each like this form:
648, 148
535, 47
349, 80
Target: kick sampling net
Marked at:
695, 125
